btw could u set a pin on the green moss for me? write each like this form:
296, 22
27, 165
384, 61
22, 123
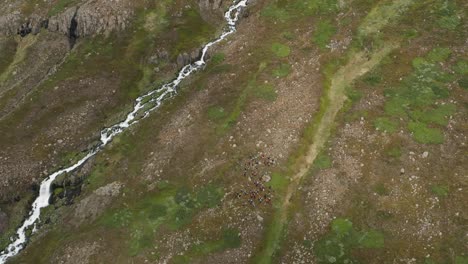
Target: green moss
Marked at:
440, 190
341, 226
461, 260
7, 53
58, 191
337, 245
278, 181
439, 54
231, 238
192, 31
322, 161
372, 78
216, 113
381, 190
283, 70
372, 239
424, 134
447, 17
385, 124
394, 152
463, 82
324, 31
437, 116
285, 11
280, 50
265, 91
218, 58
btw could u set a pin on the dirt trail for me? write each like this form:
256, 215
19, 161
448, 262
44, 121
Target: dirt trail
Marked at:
359, 64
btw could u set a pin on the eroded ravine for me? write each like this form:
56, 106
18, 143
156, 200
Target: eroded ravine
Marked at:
144, 105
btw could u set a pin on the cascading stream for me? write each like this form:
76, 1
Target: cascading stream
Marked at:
144, 105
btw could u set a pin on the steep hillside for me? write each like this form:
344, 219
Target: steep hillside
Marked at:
321, 131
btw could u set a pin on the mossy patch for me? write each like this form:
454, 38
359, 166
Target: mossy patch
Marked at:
265, 91
440, 191
424, 134
280, 50
216, 113
322, 161
415, 101
337, 245
323, 33
282, 70
385, 124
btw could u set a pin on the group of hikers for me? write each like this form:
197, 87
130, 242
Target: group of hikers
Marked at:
255, 192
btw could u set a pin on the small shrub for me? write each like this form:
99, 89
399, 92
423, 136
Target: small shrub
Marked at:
280, 50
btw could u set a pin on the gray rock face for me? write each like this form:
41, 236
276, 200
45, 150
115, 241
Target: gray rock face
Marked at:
10, 23
212, 10
92, 17
185, 58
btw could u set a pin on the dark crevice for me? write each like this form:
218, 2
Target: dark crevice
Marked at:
72, 30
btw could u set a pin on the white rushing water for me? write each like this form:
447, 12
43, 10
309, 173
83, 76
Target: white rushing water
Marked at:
144, 105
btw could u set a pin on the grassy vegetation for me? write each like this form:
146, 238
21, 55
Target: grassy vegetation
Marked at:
171, 206
323, 33
285, 11
322, 161
416, 99
7, 53
337, 245
282, 70
225, 117
192, 32
280, 50
265, 91
61, 5
385, 124
230, 239
381, 15
440, 191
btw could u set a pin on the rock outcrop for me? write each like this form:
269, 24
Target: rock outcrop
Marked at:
91, 18
88, 18
186, 58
